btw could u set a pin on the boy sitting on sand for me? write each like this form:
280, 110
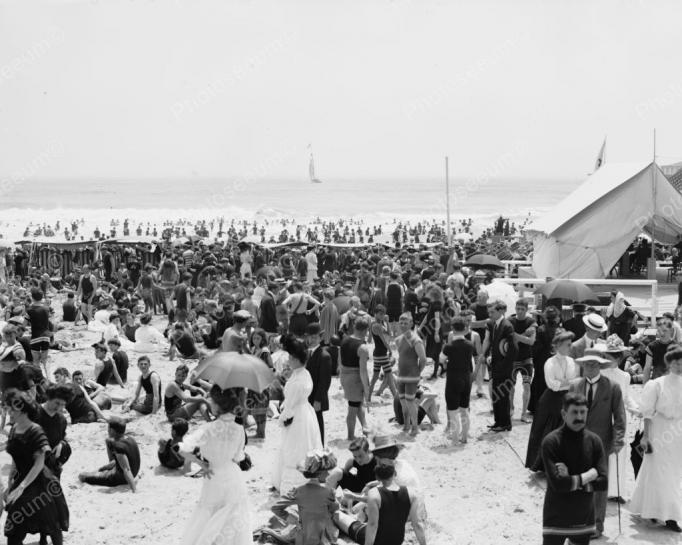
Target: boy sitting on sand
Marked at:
124, 459
168, 456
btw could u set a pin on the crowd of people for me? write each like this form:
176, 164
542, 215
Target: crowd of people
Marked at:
371, 317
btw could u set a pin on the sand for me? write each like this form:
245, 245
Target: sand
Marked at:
475, 494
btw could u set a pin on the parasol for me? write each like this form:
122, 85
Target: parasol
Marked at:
484, 261
235, 370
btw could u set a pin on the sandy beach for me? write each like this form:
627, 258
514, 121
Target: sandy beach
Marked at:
475, 494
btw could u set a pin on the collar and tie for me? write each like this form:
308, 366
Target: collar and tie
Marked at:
590, 391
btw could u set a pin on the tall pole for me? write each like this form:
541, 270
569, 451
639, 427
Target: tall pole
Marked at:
652, 274
447, 202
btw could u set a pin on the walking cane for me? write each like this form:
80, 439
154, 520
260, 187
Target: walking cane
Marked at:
620, 531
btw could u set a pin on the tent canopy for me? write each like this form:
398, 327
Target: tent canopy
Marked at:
585, 235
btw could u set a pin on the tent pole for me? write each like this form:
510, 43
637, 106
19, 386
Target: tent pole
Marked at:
652, 261
447, 202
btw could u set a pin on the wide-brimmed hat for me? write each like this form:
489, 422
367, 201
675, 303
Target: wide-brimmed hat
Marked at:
242, 315
595, 322
613, 345
381, 442
313, 329
588, 358
317, 461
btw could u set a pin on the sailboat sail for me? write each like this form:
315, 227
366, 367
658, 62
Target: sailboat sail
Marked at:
311, 168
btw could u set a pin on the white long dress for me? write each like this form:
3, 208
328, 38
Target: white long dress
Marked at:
222, 516
301, 436
616, 488
657, 492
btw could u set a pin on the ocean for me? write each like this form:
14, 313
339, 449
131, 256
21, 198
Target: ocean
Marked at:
374, 201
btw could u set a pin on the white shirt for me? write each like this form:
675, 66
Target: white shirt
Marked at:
558, 369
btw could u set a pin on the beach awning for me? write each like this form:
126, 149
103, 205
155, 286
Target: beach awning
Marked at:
60, 244
585, 235
131, 240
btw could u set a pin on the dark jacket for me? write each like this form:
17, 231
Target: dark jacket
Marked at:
606, 417
502, 347
319, 366
268, 314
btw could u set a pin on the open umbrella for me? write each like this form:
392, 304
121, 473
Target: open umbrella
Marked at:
235, 370
567, 289
484, 261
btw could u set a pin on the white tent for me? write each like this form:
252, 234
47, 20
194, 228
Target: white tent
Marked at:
585, 235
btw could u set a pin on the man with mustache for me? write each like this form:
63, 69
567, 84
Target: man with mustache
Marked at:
576, 467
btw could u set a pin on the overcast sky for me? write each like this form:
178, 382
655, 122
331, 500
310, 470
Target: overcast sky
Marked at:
218, 88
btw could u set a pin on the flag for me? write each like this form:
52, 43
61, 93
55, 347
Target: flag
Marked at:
601, 157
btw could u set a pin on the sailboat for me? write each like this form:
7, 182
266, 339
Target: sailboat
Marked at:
311, 169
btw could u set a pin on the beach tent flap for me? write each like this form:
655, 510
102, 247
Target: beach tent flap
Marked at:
585, 235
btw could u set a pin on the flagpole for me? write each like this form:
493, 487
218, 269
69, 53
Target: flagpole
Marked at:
447, 202
652, 273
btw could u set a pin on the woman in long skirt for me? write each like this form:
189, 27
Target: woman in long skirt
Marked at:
222, 515
657, 492
300, 433
542, 351
35, 502
559, 370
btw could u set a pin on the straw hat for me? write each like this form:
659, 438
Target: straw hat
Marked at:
613, 345
595, 322
603, 362
381, 442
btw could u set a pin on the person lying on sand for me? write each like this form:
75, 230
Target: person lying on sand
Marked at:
82, 408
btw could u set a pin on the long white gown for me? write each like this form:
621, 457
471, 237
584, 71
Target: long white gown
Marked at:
623, 457
301, 436
657, 492
222, 516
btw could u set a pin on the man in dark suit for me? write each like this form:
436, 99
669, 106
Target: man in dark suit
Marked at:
500, 341
319, 366
605, 417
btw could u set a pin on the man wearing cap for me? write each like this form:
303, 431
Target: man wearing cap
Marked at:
319, 366
605, 417
234, 338
594, 327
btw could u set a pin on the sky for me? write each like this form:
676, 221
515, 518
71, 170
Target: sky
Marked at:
380, 89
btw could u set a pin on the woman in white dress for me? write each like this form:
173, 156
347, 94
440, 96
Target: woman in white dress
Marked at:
222, 516
657, 492
614, 350
300, 432
147, 338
